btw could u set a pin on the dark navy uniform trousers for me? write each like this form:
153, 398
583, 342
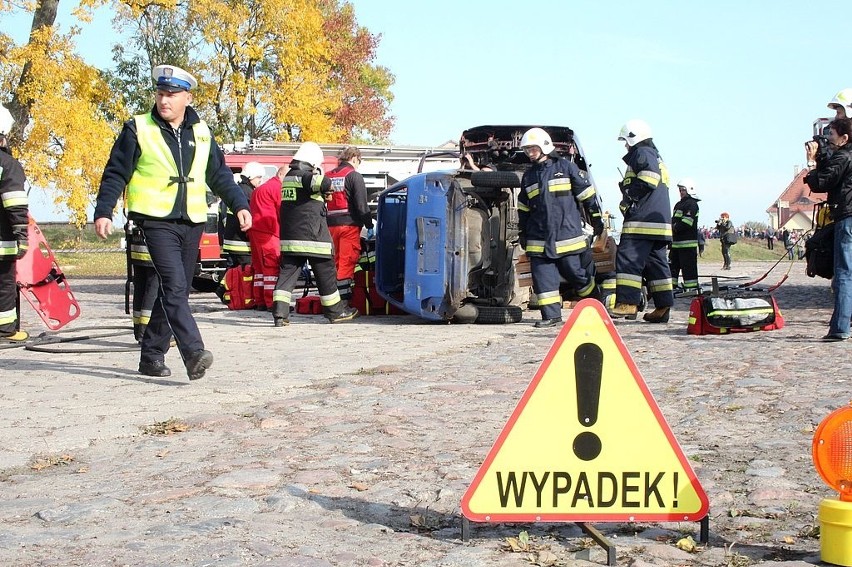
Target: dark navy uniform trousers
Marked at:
173, 246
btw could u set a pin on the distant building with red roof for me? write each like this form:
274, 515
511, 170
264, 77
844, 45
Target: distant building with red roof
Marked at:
794, 207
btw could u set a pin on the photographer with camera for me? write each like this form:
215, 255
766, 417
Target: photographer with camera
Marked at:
728, 237
832, 174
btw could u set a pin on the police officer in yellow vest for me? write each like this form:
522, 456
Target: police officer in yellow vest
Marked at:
166, 160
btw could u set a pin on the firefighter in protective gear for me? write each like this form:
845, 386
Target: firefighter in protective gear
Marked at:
841, 104
14, 218
553, 192
646, 230
305, 236
235, 242
166, 160
684, 252
146, 282
348, 213
265, 205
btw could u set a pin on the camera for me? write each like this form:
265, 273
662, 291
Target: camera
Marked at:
823, 148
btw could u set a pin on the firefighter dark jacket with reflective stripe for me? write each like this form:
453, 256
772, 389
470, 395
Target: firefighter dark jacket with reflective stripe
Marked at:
348, 205
13, 207
685, 223
235, 240
304, 230
645, 204
175, 150
552, 192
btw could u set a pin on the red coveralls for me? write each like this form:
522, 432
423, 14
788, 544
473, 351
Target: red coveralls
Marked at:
264, 204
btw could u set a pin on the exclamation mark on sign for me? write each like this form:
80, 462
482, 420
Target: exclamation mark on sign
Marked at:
674, 505
588, 369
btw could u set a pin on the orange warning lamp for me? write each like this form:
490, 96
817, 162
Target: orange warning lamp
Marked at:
832, 454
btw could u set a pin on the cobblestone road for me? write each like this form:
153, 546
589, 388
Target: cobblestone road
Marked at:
317, 445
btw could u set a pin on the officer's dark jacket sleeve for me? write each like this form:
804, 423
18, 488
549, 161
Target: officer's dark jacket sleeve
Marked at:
220, 179
356, 194
118, 171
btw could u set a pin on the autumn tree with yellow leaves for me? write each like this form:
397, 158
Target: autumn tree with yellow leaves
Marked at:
268, 69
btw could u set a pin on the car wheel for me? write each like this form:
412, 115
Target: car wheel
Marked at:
204, 285
495, 179
490, 315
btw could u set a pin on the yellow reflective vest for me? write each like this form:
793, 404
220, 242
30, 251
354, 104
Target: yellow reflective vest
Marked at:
153, 190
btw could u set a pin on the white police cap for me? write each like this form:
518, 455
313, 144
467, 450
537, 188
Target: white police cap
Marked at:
173, 79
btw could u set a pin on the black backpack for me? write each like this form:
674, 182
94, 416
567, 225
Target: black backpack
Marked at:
819, 253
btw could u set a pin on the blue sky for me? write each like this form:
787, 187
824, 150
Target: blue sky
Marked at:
730, 89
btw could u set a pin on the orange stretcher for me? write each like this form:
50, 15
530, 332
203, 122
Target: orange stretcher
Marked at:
42, 283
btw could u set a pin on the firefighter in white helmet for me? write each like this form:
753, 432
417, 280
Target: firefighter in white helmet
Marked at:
684, 252
14, 216
646, 230
235, 242
305, 236
551, 227
841, 104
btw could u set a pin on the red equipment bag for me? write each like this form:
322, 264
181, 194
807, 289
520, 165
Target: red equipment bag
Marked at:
237, 286
309, 305
739, 311
43, 284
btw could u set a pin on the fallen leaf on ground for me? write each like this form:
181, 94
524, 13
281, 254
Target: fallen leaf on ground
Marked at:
687, 544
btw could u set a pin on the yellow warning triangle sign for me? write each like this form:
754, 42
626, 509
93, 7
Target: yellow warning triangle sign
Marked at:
587, 441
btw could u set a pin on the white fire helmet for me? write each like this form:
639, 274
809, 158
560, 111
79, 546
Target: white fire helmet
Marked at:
844, 100
310, 153
6, 120
635, 131
253, 169
688, 184
537, 137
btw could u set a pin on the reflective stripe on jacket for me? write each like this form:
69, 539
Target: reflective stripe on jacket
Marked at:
549, 208
685, 223
646, 206
154, 189
14, 209
303, 227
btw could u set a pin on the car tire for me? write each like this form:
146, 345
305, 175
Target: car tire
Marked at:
491, 315
204, 285
495, 179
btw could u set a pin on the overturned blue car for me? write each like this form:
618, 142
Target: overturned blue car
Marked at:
447, 241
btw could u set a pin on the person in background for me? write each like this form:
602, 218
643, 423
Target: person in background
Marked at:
166, 160
787, 241
726, 230
833, 175
14, 238
305, 236
684, 252
348, 213
265, 205
702, 240
235, 242
551, 228
646, 230
770, 238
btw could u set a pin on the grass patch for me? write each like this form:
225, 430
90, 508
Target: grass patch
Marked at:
92, 264
745, 250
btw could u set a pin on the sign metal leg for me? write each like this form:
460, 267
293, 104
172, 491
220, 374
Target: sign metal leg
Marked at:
601, 540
